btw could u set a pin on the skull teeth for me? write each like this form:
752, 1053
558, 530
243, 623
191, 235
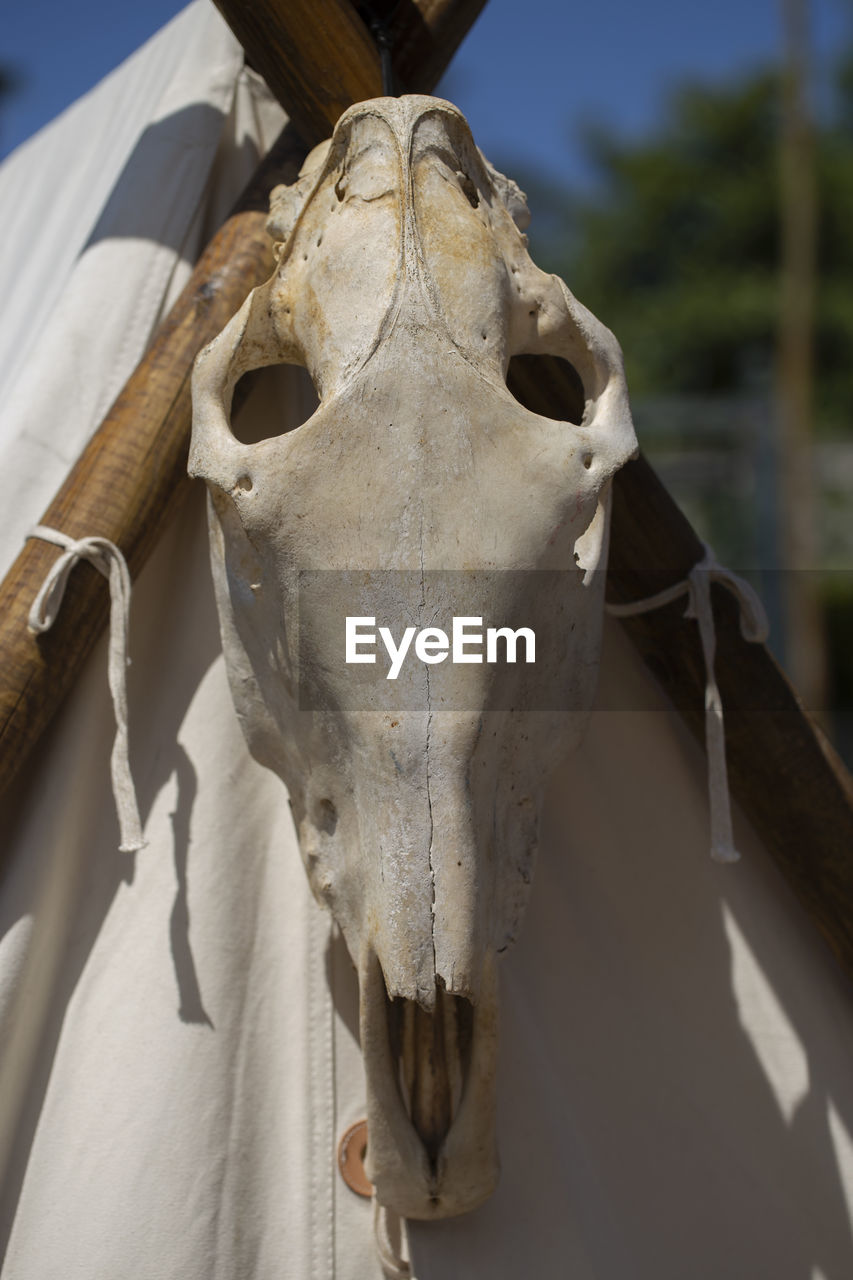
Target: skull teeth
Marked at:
432, 1051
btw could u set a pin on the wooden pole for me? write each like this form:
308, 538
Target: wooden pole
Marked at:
782, 770
318, 57
128, 478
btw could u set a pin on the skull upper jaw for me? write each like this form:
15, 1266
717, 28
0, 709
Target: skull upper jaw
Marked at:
420, 1170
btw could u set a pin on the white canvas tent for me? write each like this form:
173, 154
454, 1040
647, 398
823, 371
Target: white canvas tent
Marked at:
178, 1027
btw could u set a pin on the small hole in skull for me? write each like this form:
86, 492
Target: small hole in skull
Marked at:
327, 817
271, 402
540, 382
469, 191
587, 460
244, 483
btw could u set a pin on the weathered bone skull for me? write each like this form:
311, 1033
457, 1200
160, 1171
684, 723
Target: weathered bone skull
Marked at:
404, 286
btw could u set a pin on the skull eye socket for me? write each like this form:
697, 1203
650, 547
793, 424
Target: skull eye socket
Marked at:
532, 379
273, 400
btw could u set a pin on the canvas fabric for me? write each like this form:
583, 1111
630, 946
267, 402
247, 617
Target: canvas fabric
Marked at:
179, 1026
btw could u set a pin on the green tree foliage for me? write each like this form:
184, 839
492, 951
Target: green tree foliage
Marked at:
677, 249
835, 296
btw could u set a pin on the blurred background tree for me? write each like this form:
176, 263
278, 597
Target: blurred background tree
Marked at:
677, 250
678, 246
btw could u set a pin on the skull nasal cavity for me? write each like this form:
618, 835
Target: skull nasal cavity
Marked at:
326, 817
470, 192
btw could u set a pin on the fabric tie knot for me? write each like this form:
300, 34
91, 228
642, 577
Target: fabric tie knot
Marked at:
754, 628
108, 560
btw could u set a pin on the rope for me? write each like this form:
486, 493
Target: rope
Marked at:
754, 628
109, 561
394, 1265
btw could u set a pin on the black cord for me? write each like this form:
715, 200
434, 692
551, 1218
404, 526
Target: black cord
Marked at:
380, 29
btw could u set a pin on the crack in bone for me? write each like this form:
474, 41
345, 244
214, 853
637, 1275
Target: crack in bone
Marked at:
427, 757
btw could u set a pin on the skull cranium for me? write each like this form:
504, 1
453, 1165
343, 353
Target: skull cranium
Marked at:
419, 485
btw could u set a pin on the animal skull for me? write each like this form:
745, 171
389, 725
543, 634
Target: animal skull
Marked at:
404, 285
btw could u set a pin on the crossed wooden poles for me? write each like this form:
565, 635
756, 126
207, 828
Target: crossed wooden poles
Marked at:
318, 57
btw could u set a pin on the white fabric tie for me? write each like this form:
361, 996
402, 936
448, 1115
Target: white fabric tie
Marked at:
387, 1230
754, 628
109, 561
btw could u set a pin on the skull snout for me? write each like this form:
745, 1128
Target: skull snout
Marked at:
430, 1097
419, 907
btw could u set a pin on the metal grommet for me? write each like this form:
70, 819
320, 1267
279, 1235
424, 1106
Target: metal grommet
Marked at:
352, 1149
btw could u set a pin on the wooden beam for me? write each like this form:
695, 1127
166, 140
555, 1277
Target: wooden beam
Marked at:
132, 472
318, 57
422, 34
784, 773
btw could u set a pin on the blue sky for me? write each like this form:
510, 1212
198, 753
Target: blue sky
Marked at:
530, 76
